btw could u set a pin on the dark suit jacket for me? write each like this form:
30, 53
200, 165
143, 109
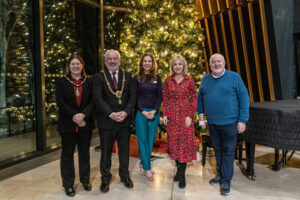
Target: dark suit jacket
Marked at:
107, 103
66, 102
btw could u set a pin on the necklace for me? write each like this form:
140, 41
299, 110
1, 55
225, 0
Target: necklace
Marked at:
118, 93
77, 93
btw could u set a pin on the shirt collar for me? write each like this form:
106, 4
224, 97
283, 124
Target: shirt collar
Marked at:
111, 73
220, 75
184, 77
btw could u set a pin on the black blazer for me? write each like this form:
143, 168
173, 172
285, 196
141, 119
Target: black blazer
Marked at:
107, 103
66, 102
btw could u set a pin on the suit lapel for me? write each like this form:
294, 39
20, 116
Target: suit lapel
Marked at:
111, 83
70, 87
120, 79
83, 93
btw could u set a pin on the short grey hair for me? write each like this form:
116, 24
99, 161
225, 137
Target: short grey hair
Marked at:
112, 50
214, 55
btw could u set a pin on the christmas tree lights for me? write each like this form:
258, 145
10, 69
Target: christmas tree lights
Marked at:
165, 28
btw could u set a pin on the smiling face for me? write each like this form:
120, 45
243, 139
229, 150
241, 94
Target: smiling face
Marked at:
112, 61
75, 67
217, 64
178, 67
147, 64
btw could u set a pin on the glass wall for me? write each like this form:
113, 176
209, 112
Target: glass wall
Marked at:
112, 28
87, 30
69, 27
114, 19
17, 93
115, 16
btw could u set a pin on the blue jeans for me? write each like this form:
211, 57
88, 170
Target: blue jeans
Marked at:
223, 138
146, 130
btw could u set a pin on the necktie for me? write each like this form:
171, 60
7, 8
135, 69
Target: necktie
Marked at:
115, 80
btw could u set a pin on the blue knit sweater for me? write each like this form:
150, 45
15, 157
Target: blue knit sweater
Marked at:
224, 100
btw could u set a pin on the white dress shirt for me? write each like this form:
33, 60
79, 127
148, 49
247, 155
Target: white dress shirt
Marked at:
112, 76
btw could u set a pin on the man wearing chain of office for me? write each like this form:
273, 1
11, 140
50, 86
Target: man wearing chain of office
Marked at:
114, 94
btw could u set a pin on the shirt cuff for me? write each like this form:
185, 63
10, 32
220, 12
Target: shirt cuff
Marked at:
201, 123
243, 121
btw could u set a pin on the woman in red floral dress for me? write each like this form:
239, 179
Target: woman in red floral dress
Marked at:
179, 106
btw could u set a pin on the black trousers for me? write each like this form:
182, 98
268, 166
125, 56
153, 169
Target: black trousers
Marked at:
69, 142
107, 139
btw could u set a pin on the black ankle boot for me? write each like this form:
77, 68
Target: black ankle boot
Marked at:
176, 177
182, 175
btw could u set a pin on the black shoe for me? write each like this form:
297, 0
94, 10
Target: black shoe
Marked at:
97, 148
225, 189
70, 191
215, 181
87, 186
127, 182
182, 183
104, 187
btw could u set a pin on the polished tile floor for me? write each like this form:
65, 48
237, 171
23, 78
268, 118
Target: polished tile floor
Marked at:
40, 179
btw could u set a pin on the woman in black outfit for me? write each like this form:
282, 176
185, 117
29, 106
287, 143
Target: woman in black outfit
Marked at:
75, 123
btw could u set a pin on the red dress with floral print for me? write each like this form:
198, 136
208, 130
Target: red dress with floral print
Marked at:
179, 102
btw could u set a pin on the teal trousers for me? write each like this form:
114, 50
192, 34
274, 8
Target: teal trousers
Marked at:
146, 130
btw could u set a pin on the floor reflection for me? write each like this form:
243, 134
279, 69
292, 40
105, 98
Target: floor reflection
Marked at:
22, 144
43, 181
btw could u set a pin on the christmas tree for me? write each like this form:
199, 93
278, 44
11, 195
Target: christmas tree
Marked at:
60, 43
165, 28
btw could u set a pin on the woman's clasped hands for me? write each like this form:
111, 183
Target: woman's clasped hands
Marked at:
79, 119
149, 114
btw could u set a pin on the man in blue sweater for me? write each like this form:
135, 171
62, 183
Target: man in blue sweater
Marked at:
224, 99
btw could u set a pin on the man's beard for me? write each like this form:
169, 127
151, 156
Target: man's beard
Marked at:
218, 71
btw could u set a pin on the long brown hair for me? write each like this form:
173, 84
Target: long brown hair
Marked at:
141, 76
80, 60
